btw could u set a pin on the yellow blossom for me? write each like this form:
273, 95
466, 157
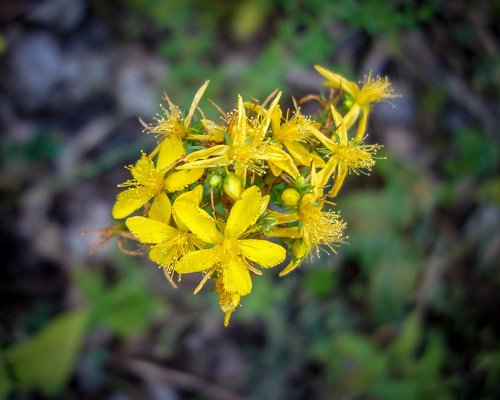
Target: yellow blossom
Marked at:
149, 181
231, 254
346, 154
315, 227
248, 149
291, 132
371, 91
174, 129
170, 241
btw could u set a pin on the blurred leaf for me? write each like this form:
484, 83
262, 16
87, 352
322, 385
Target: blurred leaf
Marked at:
408, 339
124, 307
475, 154
320, 281
359, 364
392, 284
6, 384
396, 390
248, 18
431, 361
46, 360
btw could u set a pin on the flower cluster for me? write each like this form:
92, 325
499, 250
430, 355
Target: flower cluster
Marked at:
252, 191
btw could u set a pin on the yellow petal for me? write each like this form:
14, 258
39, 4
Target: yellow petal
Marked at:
171, 149
290, 232
130, 200
192, 196
203, 154
143, 169
264, 202
263, 252
194, 104
180, 179
244, 212
161, 209
215, 131
360, 132
292, 265
351, 116
298, 152
196, 261
148, 230
284, 218
198, 221
276, 171
339, 179
236, 278
322, 177
219, 161
163, 254
281, 160
338, 81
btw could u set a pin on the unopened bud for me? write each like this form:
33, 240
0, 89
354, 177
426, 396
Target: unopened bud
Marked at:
232, 186
299, 249
215, 181
290, 197
308, 198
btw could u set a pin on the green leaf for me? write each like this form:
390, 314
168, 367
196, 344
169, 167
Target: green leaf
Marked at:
396, 390
360, 363
406, 343
124, 307
5, 381
321, 282
46, 360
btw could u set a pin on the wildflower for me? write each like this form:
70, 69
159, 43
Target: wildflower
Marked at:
170, 241
247, 150
361, 97
232, 254
174, 130
149, 181
346, 154
291, 132
315, 227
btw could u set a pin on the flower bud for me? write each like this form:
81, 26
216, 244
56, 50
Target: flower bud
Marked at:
299, 249
290, 197
308, 198
232, 186
215, 181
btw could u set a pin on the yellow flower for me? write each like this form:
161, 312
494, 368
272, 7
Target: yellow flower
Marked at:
248, 149
347, 154
315, 227
371, 91
149, 181
174, 130
291, 132
170, 243
231, 255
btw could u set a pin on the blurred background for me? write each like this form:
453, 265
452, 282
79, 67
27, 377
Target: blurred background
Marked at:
407, 309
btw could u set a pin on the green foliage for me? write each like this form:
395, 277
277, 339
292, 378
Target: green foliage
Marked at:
43, 146
360, 366
124, 307
475, 154
46, 360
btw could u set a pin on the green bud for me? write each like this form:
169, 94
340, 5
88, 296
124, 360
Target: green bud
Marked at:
300, 183
232, 186
215, 181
